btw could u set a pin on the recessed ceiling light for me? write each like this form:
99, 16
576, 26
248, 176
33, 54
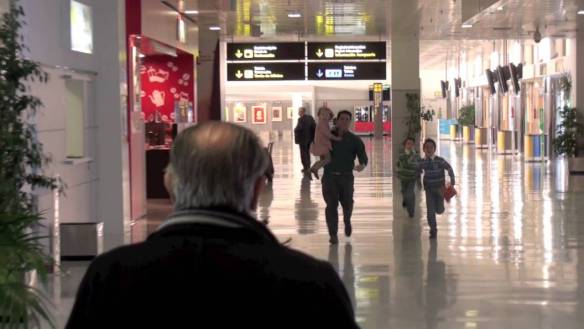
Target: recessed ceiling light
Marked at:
500, 8
214, 28
466, 26
294, 15
581, 12
141, 55
191, 12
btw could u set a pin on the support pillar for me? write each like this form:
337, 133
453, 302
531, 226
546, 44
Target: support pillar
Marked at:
405, 80
578, 77
209, 43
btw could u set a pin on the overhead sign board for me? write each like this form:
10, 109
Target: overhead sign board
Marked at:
265, 71
347, 71
265, 51
346, 50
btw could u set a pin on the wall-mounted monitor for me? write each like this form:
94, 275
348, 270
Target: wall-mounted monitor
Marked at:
503, 75
516, 75
491, 81
444, 87
81, 27
457, 86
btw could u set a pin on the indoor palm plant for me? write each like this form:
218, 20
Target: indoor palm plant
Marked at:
416, 114
21, 173
466, 118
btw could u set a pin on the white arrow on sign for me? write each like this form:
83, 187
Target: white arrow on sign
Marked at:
238, 74
238, 53
319, 73
319, 53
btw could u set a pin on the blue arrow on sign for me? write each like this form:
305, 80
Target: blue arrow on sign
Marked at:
319, 73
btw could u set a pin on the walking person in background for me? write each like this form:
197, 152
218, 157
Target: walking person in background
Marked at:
338, 182
322, 140
407, 174
304, 136
433, 168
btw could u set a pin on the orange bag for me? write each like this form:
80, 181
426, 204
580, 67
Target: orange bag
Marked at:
449, 192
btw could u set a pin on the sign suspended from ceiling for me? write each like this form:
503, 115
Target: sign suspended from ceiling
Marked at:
346, 50
306, 61
265, 51
265, 71
347, 71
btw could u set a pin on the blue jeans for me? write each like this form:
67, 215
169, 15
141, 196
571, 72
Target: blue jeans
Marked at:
434, 204
409, 194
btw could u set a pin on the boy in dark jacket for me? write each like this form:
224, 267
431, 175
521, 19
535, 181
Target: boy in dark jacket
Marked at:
434, 181
407, 174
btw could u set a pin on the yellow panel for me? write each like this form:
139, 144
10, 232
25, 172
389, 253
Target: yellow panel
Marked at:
501, 140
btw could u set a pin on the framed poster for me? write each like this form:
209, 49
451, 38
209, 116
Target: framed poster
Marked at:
290, 113
258, 114
276, 113
239, 113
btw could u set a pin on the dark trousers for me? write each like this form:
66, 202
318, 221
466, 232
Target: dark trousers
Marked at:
409, 194
434, 204
335, 189
305, 156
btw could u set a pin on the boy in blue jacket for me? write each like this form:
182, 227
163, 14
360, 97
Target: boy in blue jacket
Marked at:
434, 181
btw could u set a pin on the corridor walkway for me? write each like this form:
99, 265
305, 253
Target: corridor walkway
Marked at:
509, 253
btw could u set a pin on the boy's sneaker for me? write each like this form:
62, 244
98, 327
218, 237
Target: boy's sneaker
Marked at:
411, 214
348, 230
334, 239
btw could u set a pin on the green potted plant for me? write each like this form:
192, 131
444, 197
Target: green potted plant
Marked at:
466, 118
568, 131
21, 173
416, 114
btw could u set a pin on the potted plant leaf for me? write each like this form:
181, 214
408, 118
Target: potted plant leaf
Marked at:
466, 118
568, 131
21, 173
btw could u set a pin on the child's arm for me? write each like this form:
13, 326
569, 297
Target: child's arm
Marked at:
450, 172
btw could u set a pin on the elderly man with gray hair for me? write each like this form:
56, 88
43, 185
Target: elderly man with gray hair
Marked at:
211, 263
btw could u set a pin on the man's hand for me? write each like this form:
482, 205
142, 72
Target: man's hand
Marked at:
359, 167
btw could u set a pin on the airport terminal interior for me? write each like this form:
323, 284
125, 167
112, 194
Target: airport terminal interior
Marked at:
497, 84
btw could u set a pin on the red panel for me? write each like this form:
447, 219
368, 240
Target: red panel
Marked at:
364, 127
165, 80
133, 17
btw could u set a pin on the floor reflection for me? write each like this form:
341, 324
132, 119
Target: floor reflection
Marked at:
509, 253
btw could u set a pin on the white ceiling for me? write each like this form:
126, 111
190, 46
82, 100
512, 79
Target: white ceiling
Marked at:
439, 21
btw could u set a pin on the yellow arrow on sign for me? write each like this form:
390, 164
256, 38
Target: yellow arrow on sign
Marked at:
238, 53
319, 53
238, 74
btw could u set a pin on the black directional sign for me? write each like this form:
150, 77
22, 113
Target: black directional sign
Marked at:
265, 51
347, 71
346, 50
265, 71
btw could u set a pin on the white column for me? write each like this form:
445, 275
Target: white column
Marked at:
405, 79
113, 190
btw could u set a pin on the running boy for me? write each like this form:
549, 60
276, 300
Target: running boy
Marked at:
407, 174
434, 182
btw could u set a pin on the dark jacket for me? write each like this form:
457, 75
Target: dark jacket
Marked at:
304, 130
210, 269
344, 153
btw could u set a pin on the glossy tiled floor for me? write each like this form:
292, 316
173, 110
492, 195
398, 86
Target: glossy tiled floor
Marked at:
509, 253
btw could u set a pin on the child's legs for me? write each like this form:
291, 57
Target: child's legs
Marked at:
410, 195
431, 208
324, 160
439, 203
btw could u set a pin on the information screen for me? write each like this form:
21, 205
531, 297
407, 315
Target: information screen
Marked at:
347, 71
265, 71
347, 50
265, 51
